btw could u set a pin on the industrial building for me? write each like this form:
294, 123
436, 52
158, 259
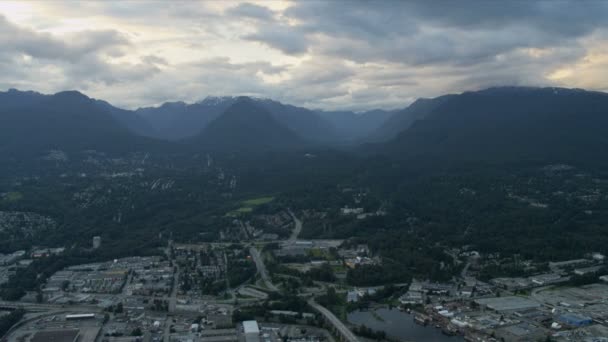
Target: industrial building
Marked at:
507, 304
64, 335
251, 330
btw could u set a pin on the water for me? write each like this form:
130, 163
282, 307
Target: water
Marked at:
400, 325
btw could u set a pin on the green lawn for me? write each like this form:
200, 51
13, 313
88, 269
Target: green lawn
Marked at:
257, 201
248, 205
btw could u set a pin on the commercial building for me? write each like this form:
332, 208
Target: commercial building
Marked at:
575, 320
587, 270
251, 330
96, 242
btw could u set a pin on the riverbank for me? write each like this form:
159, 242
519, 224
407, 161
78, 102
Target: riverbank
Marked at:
399, 325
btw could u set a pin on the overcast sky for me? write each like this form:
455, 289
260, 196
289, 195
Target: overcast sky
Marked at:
326, 54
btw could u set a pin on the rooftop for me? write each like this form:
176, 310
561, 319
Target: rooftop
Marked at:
67, 335
251, 327
510, 303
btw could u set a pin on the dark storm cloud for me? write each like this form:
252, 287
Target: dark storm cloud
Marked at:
431, 32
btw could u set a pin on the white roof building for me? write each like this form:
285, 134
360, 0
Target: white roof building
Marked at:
251, 331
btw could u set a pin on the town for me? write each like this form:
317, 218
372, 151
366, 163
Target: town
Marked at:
260, 288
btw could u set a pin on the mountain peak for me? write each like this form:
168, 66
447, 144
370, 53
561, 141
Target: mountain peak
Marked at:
72, 96
245, 125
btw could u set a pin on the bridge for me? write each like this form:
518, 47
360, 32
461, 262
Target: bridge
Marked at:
339, 327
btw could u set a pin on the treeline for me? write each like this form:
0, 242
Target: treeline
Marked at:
7, 321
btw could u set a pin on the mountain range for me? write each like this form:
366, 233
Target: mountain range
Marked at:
504, 123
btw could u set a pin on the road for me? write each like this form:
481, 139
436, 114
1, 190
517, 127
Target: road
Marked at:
48, 307
173, 296
259, 264
296, 230
344, 331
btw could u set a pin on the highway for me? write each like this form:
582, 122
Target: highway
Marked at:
331, 318
296, 230
48, 307
259, 264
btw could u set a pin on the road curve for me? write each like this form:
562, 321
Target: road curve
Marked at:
259, 264
296, 230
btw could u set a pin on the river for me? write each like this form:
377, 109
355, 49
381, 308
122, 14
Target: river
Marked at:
398, 324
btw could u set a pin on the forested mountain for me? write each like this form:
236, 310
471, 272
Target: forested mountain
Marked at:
179, 120
510, 124
33, 123
246, 126
496, 124
352, 127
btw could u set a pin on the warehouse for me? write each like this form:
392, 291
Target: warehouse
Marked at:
507, 304
66, 335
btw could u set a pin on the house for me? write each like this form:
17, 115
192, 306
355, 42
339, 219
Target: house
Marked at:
352, 297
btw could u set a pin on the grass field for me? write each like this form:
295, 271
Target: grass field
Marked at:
248, 205
13, 196
257, 201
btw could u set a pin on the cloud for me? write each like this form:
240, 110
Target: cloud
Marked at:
323, 54
15, 39
281, 37
252, 11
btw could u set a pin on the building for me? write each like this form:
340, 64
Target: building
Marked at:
567, 263
76, 317
352, 297
251, 330
96, 242
575, 320
544, 279
64, 335
507, 304
587, 270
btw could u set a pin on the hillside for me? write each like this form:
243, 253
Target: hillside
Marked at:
510, 124
34, 123
403, 119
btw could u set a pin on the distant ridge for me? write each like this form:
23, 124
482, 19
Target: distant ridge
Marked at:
510, 124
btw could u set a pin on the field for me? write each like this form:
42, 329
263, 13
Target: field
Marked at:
257, 201
13, 196
248, 205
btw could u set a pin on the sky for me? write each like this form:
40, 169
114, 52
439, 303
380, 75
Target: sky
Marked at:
354, 55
